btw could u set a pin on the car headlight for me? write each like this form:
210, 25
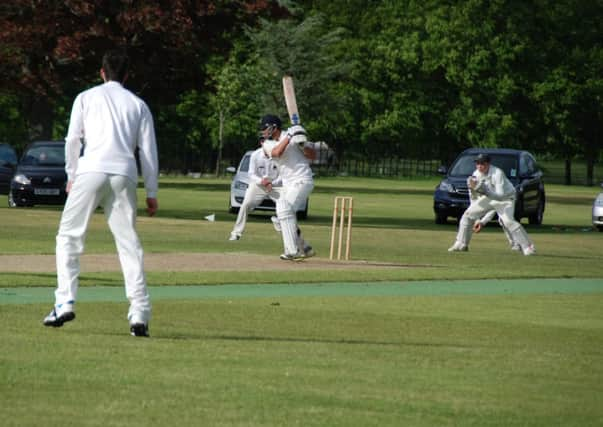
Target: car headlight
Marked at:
240, 185
21, 179
446, 186
599, 200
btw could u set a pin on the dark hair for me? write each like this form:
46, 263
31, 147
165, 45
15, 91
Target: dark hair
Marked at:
115, 65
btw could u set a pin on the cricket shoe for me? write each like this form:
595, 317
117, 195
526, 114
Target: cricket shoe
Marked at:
458, 247
276, 223
60, 314
234, 236
139, 330
295, 257
308, 252
529, 250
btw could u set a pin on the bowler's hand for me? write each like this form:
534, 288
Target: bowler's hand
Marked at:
477, 227
152, 205
68, 186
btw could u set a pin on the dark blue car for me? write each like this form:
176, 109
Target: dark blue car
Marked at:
8, 164
451, 196
40, 177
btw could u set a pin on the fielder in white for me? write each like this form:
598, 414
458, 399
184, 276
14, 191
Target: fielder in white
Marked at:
491, 190
291, 151
109, 122
264, 181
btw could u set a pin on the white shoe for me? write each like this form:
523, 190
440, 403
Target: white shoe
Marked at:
294, 257
60, 314
529, 250
234, 236
458, 247
276, 223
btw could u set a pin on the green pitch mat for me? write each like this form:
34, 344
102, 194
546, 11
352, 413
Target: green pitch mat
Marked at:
430, 288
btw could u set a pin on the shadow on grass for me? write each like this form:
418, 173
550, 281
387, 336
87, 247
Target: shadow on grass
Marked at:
310, 340
364, 190
195, 186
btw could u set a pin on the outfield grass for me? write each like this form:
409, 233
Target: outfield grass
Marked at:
440, 360
393, 222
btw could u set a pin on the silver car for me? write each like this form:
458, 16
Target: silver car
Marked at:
239, 184
598, 211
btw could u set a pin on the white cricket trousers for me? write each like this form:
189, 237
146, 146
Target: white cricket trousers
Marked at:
505, 210
291, 198
254, 195
116, 194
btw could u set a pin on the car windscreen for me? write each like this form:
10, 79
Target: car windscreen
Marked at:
465, 165
44, 155
244, 166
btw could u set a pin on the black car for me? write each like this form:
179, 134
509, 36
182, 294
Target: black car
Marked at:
451, 196
40, 177
8, 164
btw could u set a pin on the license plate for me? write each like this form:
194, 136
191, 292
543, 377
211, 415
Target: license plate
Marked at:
47, 191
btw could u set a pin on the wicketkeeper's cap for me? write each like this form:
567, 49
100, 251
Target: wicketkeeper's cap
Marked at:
482, 158
270, 120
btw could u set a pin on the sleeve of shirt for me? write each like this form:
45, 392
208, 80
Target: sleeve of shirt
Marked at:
147, 151
253, 168
501, 190
73, 140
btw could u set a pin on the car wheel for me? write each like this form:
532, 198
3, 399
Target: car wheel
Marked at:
536, 219
441, 218
600, 228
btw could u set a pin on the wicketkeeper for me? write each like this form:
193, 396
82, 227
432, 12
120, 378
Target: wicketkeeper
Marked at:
264, 181
491, 190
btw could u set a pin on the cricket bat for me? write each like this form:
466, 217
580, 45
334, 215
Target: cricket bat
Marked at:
290, 100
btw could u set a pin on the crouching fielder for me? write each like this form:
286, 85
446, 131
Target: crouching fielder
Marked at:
490, 190
263, 182
289, 151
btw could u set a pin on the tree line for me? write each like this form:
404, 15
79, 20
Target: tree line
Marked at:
374, 79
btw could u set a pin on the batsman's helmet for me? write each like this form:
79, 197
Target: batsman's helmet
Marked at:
270, 121
482, 158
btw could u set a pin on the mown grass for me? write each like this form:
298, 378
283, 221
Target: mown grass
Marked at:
462, 360
393, 222
421, 361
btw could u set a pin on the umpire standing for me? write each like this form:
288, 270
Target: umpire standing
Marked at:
109, 122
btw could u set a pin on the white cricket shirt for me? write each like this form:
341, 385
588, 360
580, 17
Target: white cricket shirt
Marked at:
293, 164
111, 122
261, 166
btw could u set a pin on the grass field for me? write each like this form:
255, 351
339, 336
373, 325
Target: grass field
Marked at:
432, 359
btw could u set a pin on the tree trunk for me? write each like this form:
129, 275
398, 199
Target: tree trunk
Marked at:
590, 171
220, 143
568, 171
40, 118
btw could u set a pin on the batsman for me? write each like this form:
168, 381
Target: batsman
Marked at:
490, 190
289, 151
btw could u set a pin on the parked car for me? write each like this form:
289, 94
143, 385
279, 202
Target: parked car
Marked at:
451, 196
40, 177
598, 211
8, 164
239, 184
